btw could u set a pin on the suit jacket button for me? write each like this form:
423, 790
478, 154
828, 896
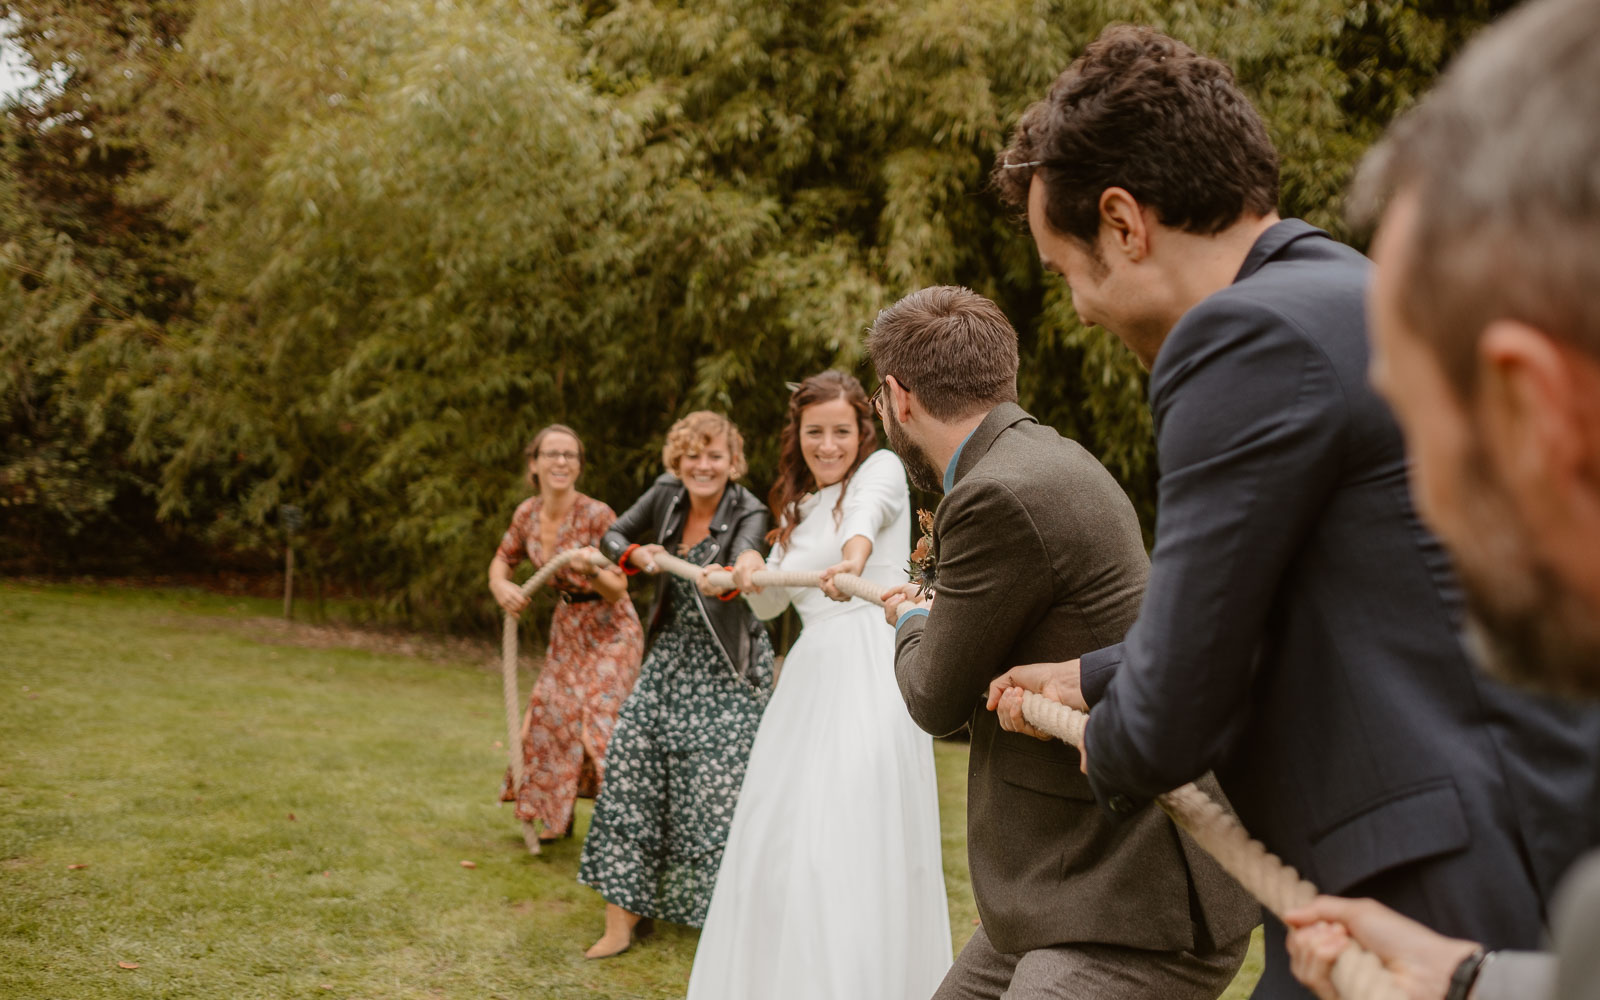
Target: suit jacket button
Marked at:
1120, 804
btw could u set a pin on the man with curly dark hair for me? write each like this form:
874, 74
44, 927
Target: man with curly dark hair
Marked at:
1301, 631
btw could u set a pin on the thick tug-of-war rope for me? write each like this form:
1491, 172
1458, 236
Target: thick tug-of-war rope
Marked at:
852, 585
508, 681
1357, 974
722, 579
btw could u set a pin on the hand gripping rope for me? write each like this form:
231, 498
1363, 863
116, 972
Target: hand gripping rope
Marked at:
508, 682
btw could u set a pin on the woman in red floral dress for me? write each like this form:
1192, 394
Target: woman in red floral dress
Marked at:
596, 641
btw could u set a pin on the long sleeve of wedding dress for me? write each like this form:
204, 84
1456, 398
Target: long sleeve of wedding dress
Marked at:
770, 602
875, 498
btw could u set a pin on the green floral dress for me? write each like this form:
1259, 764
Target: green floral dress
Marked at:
674, 768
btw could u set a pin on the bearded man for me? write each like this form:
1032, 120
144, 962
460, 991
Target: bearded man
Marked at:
1486, 339
1037, 553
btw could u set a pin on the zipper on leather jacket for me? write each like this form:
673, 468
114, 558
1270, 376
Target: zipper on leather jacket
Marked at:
699, 604
699, 598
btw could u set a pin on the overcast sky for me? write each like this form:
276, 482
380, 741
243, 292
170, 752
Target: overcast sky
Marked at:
15, 75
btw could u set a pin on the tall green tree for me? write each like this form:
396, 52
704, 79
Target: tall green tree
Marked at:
91, 280
397, 205
857, 140
370, 247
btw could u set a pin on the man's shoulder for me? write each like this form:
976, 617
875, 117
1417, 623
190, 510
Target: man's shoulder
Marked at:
1024, 452
1035, 468
1320, 286
1325, 271
1310, 307
1036, 451
1577, 903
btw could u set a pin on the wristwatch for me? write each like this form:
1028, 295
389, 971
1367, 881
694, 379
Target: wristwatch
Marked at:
1466, 975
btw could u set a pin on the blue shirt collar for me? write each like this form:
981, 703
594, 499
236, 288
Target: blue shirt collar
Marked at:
950, 470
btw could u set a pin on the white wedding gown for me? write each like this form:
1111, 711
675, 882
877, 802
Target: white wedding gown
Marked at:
832, 882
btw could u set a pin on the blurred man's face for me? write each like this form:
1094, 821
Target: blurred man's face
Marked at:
1439, 435
1529, 626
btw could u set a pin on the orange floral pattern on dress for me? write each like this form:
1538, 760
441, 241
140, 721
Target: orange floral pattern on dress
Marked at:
589, 670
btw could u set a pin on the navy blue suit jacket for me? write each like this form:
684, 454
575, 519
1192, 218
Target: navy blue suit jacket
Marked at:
1300, 634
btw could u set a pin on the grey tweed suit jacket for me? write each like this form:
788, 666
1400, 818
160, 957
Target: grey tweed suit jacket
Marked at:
1040, 559
1571, 971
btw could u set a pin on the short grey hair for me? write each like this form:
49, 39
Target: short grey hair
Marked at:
1503, 160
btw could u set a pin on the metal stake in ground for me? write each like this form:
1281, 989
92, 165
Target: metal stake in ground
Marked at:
288, 516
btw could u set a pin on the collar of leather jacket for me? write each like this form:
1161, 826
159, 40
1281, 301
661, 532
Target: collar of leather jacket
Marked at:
736, 500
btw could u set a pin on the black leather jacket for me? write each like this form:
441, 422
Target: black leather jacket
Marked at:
740, 523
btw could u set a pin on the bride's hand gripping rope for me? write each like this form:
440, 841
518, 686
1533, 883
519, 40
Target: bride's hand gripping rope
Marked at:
745, 568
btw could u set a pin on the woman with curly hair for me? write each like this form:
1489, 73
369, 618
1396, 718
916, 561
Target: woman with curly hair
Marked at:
678, 755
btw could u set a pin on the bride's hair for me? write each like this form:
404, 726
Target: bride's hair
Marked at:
794, 477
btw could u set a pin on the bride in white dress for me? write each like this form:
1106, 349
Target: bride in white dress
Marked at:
832, 882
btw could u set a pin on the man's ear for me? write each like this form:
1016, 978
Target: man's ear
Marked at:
1123, 225
1539, 414
902, 402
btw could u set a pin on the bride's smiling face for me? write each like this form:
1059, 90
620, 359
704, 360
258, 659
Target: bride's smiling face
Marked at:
829, 439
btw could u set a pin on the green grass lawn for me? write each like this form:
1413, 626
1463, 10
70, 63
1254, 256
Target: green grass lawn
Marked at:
260, 820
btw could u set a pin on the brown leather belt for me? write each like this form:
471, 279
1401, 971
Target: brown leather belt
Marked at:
571, 598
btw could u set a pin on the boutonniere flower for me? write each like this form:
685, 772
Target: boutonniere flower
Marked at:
924, 564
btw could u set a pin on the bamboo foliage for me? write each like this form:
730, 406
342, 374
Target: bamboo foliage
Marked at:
349, 255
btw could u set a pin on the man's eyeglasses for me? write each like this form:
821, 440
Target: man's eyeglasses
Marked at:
876, 399
559, 456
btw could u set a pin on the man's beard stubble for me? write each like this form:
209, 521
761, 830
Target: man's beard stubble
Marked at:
1523, 624
918, 467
